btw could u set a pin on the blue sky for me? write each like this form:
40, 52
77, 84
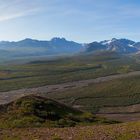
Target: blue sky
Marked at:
78, 20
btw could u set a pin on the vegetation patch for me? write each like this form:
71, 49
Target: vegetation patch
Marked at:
37, 111
115, 95
68, 69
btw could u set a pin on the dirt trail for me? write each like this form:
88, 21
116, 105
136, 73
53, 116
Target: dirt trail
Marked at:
6, 97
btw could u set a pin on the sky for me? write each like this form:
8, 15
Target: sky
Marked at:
79, 20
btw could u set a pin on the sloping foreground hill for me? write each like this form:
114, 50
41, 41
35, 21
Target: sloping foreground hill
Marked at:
36, 111
126, 131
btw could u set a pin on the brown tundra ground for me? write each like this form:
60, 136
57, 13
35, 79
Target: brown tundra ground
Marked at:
124, 131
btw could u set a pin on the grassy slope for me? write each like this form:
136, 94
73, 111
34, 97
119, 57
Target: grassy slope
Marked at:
62, 70
36, 111
126, 131
120, 92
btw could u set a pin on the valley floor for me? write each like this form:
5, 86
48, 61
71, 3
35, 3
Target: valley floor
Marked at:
116, 113
128, 117
125, 131
9, 96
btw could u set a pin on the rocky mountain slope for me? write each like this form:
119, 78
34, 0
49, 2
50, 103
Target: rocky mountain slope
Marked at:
124, 46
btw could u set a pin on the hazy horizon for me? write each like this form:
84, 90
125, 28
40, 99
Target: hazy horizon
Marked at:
49, 39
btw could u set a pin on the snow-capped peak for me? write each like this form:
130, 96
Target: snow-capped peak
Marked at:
131, 45
107, 42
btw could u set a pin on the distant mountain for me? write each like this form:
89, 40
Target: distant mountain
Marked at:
116, 45
137, 45
28, 48
37, 48
95, 46
120, 45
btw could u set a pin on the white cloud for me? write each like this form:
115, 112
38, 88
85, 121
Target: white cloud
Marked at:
16, 9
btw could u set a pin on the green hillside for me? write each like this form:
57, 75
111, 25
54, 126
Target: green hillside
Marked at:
36, 111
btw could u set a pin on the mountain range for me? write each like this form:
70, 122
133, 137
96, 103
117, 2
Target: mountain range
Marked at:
124, 46
60, 46
32, 47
